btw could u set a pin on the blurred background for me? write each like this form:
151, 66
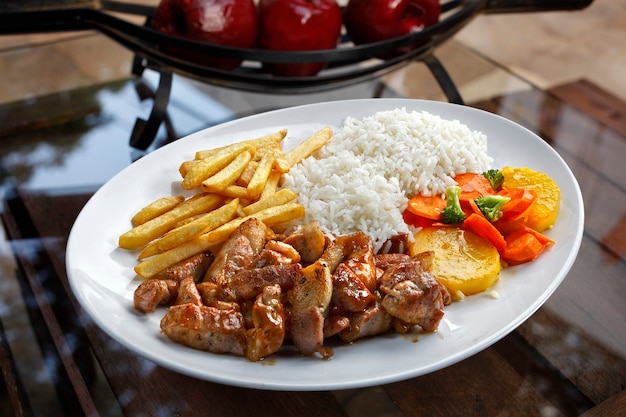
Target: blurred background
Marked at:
547, 48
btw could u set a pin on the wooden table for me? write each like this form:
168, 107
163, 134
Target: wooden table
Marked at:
568, 359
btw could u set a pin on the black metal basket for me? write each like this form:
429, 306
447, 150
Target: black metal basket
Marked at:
347, 64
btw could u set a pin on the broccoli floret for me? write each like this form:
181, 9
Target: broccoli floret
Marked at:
452, 214
495, 178
491, 206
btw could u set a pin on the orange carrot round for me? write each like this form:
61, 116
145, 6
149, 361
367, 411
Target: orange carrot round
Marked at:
427, 206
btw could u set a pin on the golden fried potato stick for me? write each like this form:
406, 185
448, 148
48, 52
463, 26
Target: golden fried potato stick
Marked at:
156, 208
141, 235
275, 137
261, 175
271, 185
304, 149
280, 197
185, 167
235, 191
158, 263
270, 216
247, 173
182, 234
227, 175
207, 167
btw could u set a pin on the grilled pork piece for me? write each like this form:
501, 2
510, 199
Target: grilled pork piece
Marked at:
153, 293
188, 292
309, 301
209, 328
238, 252
269, 325
357, 252
349, 292
369, 322
309, 241
413, 295
195, 266
248, 283
384, 261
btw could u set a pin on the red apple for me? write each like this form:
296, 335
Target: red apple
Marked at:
378, 20
298, 25
221, 22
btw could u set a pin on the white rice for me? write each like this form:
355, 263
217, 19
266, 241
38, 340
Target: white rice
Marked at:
363, 178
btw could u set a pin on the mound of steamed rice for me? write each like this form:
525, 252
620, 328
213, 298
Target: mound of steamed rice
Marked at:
363, 178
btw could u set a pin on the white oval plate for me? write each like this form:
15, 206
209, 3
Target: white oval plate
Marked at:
102, 278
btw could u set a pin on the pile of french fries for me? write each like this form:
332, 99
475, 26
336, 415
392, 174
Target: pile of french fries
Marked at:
234, 183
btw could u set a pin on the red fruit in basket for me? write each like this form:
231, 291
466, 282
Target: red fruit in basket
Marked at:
378, 20
221, 22
298, 25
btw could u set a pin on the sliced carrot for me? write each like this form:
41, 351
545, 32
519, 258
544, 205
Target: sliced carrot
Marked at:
545, 240
483, 228
521, 200
429, 207
506, 227
415, 220
521, 247
475, 208
472, 186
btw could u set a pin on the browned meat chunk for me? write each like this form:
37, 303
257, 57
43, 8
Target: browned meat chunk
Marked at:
195, 266
357, 252
384, 261
413, 295
309, 300
154, 293
212, 329
309, 241
249, 283
349, 292
238, 252
188, 292
269, 325
335, 324
396, 244
371, 321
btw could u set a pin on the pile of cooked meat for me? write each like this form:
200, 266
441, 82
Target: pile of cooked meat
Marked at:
262, 291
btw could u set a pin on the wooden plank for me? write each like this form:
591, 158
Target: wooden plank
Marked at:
595, 102
613, 407
487, 384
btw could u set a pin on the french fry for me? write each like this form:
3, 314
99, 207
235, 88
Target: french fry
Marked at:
235, 191
156, 208
271, 185
185, 167
270, 216
275, 137
228, 175
158, 263
247, 174
280, 197
139, 236
261, 175
187, 232
205, 168
304, 149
